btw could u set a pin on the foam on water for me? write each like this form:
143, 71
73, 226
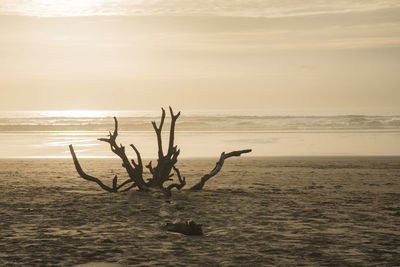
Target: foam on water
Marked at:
192, 121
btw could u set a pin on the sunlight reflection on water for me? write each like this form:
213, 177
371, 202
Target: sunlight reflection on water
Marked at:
202, 144
75, 113
199, 133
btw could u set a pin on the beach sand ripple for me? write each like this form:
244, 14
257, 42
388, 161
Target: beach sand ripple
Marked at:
257, 211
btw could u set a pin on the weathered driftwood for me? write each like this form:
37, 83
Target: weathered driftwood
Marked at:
187, 228
161, 173
218, 167
88, 177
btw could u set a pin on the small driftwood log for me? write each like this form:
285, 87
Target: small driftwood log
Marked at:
187, 228
161, 173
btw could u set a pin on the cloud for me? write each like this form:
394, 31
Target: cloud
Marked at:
242, 8
211, 34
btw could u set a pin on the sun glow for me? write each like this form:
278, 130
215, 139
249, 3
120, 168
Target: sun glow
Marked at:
63, 8
76, 113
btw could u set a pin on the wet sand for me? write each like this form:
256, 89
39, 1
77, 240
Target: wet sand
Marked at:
325, 211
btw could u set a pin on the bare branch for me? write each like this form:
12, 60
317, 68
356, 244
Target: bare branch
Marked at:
166, 162
129, 188
136, 174
175, 155
182, 181
218, 167
172, 131
115, 181
115, 127
139, 158
86, 176
124, 183
158, 133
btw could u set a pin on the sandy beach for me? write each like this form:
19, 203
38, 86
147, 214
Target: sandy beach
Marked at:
310, 88
306, 211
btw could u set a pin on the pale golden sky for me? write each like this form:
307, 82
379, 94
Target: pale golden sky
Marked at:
199, 54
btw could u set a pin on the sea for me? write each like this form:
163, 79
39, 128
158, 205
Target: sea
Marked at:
316, 190
200, 133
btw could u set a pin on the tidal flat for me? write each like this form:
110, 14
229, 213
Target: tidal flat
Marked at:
258, 211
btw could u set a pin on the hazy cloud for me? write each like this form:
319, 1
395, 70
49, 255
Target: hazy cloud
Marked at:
247, 8
185, 51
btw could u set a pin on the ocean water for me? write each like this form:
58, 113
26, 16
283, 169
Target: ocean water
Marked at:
39, 134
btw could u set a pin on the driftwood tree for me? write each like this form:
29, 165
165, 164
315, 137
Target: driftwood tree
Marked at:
161, 173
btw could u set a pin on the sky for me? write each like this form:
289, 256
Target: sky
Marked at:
227, 54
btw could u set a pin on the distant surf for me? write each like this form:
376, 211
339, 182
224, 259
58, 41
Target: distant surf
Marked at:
192, 121
201, 133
